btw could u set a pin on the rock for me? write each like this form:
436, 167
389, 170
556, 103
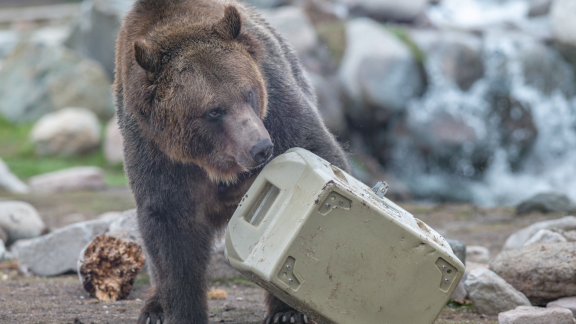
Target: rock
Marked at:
8, 40
113, 142
293, 24
263, 4
330, 103
76, 178
126, 227
471, 266
378, 72
518, 239
459, 249
491, 295
460, 292
395, 10
219, 266
70, 131
545, 236
3, 235
20, 220
57, 252
40, 79
536, 315
539, 7
11, 182
546, 202
477, 254
564, 26
111, 216
570, 236
543, 272
95, 32
2, 250
566, 302
457, 56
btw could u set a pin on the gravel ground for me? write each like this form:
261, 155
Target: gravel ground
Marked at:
61, 299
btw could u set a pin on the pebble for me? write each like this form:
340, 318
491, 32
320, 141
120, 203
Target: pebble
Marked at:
518, 239
545, 236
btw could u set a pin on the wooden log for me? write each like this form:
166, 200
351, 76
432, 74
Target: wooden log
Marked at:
108, 266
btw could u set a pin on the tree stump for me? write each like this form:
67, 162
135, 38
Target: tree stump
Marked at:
108, 266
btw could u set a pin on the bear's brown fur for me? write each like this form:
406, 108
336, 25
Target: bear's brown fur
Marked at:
206, 93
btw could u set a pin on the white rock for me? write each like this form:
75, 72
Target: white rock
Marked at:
11, 182
490, 294
471, 266
562, 13
377, 70
68, 131
113, 142
2, 250
518, 239
20, 220
294, 25
111, 216
126, 226
460, 291
3, 235
536, 315
545, 236
402, 10
57, 252
566, 302
77, 178
477, 254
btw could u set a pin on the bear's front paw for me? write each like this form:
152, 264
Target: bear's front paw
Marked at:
289, 317
152, 313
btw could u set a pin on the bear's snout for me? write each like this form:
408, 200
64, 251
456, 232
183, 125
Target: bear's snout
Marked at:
262, 151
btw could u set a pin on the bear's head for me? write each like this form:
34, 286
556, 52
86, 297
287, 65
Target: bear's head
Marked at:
204, 97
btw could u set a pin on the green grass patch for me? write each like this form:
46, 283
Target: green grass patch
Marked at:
18, 152
403, 35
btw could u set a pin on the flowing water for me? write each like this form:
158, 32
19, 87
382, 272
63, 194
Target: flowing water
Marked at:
528, 71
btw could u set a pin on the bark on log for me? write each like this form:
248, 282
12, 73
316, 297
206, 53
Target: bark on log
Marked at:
108, 266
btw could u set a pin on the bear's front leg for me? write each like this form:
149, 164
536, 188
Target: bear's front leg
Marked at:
178, 245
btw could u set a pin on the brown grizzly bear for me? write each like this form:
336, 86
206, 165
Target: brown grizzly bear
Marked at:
207, 93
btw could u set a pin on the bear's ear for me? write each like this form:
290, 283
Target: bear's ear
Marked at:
146, 56
228, 27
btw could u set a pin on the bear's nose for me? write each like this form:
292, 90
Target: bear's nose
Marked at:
262, 151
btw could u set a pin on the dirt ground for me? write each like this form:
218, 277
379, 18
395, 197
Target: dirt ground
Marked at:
61, 299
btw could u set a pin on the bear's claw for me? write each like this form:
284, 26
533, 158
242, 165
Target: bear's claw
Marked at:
151, 318
289, 317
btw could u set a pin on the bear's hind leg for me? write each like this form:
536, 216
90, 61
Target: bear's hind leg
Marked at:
280, 313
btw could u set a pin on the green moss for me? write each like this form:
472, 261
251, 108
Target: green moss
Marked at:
18, 152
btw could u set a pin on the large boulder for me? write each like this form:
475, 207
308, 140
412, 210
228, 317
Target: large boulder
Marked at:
2, 250
72, 179
38, 79
545, 203
566, 302
57, 252
113, 142
545, 236
378, 71
536, 315
95, 32
455, 56
478, 254
395, 10
20, 220
518, 239
294, 25
70, 131
543, 272
330, 106
490, 294
11, 182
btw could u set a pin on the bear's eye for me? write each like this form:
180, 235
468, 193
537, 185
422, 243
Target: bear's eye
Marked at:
250, 96
215, 113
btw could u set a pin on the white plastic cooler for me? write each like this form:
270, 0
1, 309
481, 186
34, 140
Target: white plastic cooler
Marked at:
327, 245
